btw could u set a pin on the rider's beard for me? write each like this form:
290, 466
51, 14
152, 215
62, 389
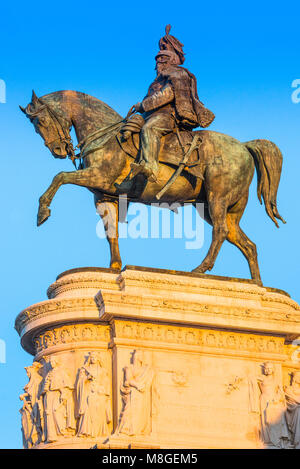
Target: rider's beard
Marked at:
161, 67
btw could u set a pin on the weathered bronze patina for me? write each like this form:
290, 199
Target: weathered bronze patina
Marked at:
171, 164
172, 103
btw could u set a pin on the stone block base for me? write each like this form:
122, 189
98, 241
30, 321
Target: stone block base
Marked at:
151, 358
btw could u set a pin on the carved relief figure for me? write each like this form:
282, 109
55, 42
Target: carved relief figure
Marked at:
93, 398
32, 410
292, 395
57, 392
26, 420
136, 392
271, 406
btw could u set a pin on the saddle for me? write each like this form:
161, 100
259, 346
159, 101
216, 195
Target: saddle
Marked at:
171, 151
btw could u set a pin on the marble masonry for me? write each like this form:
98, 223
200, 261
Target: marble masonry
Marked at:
150, 358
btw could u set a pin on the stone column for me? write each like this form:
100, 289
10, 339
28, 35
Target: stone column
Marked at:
151, 358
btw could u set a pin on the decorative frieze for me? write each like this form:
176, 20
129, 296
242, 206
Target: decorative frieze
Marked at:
160, 335
75, 334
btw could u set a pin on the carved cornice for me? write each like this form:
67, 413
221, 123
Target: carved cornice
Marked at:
161, 297
202, 286
46, 308
125, 305
273, 297
281, 320
83, 280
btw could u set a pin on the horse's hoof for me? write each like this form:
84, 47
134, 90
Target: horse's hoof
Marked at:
198, 271
43, 215
258, 281
201, 269
116, 265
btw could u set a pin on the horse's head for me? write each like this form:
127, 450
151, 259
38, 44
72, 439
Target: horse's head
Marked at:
52, 127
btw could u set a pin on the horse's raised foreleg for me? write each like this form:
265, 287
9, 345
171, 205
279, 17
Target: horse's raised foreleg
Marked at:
90, 177
217, 212
46, 199
109, 212
237, 237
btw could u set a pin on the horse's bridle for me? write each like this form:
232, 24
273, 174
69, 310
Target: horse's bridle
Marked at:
62, 128
64, 134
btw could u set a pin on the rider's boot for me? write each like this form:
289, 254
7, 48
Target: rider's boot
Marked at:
150, 171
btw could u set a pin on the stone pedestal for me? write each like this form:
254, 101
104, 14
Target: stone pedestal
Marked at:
151, 358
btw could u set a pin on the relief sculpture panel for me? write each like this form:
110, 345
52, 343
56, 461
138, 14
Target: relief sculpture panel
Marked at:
63, 400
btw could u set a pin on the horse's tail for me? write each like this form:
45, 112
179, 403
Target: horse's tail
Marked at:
268, 163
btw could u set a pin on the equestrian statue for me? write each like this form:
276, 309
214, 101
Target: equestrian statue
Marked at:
155, 154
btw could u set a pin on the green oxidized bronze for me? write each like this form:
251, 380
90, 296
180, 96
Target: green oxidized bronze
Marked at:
154, 153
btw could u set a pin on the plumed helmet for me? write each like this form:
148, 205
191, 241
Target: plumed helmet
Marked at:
171, 44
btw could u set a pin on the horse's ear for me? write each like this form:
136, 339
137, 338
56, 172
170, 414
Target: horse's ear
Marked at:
23, 109
34, 98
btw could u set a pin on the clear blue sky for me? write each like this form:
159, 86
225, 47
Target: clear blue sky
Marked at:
245, 56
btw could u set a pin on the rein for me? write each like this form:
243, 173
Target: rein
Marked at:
65, 137
63, 132
102, 132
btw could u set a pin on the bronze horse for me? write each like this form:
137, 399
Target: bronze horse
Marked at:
106, 172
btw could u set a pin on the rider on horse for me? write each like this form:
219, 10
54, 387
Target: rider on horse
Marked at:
172, 100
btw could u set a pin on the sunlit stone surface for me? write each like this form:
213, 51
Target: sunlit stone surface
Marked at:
152, 358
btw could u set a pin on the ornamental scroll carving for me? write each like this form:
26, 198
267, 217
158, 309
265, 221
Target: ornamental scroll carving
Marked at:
57, 405
136, 393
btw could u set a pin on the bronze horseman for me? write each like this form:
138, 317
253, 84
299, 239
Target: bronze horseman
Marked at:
174, 164
172, 100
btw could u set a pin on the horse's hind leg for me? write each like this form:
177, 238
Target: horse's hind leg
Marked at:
237, 237
217, 213
109, 212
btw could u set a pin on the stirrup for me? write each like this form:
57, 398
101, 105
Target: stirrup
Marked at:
137, 168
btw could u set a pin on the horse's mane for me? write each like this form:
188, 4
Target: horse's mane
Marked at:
93, 107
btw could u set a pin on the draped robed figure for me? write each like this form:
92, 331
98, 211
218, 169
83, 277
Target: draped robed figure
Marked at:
93, 403
292, 396
57, 392
135, 418
267, 398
